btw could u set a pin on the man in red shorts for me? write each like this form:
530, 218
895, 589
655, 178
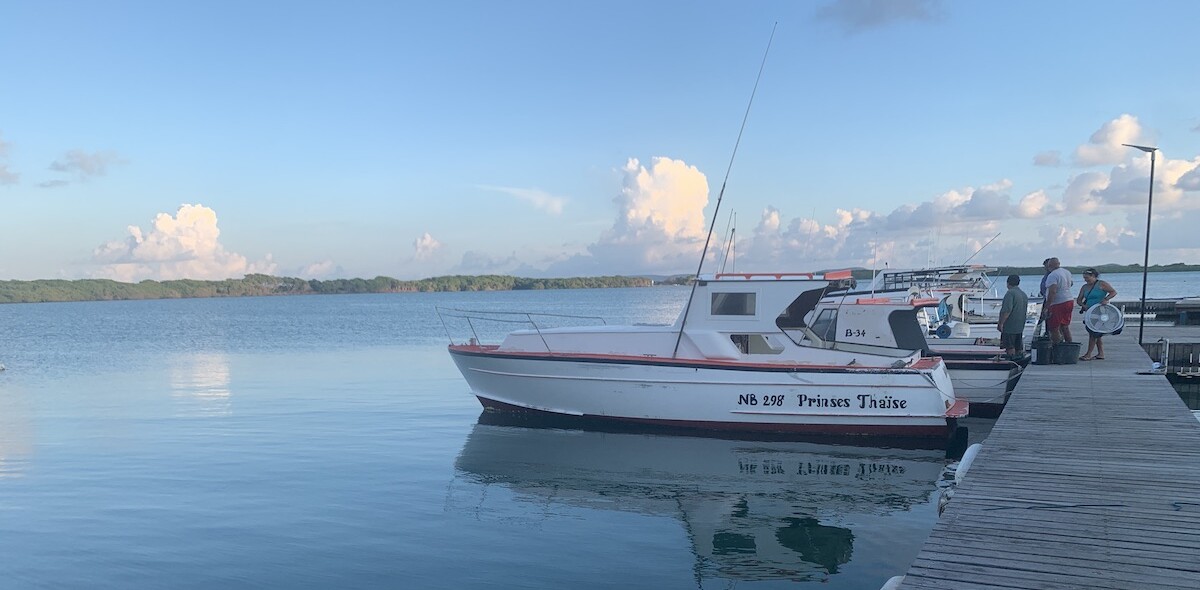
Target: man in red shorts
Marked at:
1059, 304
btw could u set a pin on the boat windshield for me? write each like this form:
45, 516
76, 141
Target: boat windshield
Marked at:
793, 316
825, 326
906, 329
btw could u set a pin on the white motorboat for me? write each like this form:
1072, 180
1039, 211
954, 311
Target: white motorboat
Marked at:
979, 371
741, 359
960, 286
962, 289
949, 278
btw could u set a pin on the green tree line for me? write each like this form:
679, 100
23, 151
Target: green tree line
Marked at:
41, 291
259, 284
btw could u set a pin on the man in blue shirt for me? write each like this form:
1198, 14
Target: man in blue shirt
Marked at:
1045, 275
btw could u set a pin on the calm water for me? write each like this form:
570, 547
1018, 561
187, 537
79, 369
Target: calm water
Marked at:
316, 442
1159, 285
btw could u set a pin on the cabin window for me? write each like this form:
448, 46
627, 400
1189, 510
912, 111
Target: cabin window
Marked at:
733, 304
755, 344
825, 326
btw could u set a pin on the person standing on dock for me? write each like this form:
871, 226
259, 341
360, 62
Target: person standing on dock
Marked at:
1013, 312
1059, 303
1094, 292
1045, 275
1042, 294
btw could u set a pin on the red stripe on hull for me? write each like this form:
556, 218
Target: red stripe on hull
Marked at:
923, 363
840, 430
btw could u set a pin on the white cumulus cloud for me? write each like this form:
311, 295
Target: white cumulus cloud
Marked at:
182, 246
425, 246
1115, 237
988, 202
1190, 180
666, 199
1096, 241
659, 226
321, 270
1033, 205
1105, 145
1129, 182
1080, 194
1068, 237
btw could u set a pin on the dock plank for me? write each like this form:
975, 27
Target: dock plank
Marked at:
1134, 551
1088, 569
1089, 479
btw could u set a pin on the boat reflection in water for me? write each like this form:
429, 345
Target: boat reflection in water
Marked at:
753, 510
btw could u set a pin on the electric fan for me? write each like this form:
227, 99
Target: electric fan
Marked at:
1103, 318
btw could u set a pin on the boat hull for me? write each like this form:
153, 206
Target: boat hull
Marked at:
715, 396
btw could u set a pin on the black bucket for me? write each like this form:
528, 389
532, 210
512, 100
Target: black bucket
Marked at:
1041, 350
1066, 353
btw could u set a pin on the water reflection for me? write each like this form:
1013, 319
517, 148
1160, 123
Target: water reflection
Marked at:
200, 383
753, 510
1187, 385
16, 433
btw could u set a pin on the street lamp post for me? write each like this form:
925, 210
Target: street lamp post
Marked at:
1146, 259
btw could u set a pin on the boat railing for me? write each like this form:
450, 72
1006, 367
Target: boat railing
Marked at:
535, 320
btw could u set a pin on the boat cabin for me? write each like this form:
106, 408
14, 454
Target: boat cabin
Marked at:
739, 317
754, 311
875, 321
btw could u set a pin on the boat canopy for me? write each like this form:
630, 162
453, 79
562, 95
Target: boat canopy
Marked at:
763, 302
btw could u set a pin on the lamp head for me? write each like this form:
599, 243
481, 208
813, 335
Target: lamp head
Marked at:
1148, 150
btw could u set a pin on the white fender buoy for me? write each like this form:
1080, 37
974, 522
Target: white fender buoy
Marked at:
965, 463
892, 583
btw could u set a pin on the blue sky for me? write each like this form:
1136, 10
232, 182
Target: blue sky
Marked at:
353, 139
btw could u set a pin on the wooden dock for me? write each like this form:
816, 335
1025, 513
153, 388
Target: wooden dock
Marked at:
1089, 479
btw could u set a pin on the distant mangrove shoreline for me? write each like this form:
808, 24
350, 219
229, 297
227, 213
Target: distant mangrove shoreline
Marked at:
257, 285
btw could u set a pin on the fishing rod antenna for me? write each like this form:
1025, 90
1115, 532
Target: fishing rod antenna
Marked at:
720, 195
981, 248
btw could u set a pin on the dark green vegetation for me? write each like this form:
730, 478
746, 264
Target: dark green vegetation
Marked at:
258, 284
